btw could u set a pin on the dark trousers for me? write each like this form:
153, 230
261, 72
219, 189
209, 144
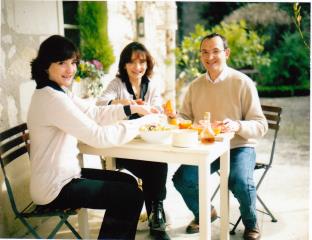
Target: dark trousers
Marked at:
153, 175
114, 191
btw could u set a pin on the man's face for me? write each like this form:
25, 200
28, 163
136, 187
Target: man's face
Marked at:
213, 55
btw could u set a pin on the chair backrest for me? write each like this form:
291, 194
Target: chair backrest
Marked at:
273, 116
14, 143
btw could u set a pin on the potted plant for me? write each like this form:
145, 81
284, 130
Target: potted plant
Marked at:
88, 79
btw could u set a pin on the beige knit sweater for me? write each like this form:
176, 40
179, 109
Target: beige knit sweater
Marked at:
234, 96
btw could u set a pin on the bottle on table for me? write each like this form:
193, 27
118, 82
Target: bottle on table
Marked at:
207, 135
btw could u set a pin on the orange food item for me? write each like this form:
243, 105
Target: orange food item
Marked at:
173, 121
139, 102
217, 129
185, 124
168, 107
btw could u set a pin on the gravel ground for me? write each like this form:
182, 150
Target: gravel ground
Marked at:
293, 143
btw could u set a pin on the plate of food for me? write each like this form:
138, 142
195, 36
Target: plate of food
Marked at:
156, 133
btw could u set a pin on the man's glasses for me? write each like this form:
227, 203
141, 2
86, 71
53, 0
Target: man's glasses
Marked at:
215, 52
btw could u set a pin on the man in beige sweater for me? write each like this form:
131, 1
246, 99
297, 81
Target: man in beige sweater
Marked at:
232, 99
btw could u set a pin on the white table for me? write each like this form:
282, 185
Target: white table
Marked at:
200, 155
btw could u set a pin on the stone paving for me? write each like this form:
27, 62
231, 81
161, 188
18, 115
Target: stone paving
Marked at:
285, 189
294, 137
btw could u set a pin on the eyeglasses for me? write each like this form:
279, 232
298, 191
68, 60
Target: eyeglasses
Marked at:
214, 52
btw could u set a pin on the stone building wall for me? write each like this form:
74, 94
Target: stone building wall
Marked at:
22, 30
159, 36
24, 24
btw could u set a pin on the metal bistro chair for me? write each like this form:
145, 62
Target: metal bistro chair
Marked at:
14, 144
273, 116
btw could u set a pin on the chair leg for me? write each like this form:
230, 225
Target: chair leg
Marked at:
215, 193
58, 226
268, 212
232, 232
72, 229
29, 227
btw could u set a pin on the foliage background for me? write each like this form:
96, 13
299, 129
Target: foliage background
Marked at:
262, 37
95, 44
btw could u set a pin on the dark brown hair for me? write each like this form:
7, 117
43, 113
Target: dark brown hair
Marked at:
125, 57
212, 35
54, 49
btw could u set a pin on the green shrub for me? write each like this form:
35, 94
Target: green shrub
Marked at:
247, 47
95, 44
290, 64
283, 91
187, 55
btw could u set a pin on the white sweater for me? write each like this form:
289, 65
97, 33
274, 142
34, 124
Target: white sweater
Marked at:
55, 121
117, 90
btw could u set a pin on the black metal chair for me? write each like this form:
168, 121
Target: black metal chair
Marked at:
273, 116
14, 144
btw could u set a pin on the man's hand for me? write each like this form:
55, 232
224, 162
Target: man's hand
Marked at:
169, 112
230, 125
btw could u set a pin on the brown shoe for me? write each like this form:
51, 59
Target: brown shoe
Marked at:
193, 227
252, 234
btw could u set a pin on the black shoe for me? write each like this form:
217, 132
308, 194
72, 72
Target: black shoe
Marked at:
159, 235
157, 222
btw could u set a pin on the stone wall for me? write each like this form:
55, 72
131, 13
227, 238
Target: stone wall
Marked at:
159, 36
24, 24
22, 29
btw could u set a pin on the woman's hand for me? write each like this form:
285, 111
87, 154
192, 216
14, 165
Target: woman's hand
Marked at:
123, 101
128, 102
154, 119
143, 109
139, 101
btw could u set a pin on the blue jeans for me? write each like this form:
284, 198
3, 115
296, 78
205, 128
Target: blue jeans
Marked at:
241, 183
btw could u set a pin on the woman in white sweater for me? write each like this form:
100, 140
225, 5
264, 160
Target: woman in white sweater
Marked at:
133, 85
56, 121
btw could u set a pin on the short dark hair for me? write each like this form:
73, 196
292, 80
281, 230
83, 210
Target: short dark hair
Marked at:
54, 49
125, 57
212, 35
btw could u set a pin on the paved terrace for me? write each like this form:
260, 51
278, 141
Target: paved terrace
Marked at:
285, 189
